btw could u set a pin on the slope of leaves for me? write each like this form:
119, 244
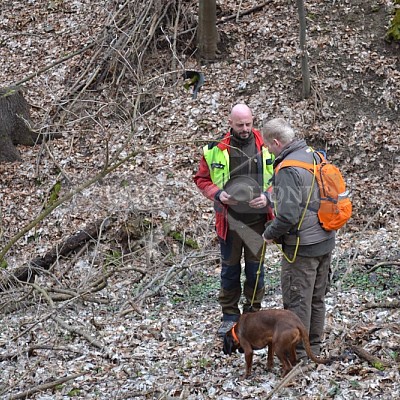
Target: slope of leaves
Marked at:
150, 331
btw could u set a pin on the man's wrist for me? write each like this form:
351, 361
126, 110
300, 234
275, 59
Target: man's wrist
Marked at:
216, 197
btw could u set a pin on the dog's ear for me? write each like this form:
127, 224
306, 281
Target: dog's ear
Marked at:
228, 343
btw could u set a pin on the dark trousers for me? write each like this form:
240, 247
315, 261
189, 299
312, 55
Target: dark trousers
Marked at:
304, 286
247, 241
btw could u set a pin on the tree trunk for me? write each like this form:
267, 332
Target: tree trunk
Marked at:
305, 71
14, 125
207, 35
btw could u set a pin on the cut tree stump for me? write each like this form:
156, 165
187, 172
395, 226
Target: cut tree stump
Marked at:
14, 123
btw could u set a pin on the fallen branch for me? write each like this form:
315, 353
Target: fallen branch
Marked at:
289, 377
385, 304
30, 350
60, 294
150, 289
45, 386
382, 264
102, 174
242, 13
55, 63
27, 274
78, 332
374, 361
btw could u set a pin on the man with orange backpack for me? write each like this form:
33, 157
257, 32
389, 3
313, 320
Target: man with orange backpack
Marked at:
298, 225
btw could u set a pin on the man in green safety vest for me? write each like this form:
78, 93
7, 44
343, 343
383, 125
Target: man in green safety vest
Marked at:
235, 174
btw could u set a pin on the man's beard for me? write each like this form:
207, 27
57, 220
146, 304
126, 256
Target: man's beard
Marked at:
240, 138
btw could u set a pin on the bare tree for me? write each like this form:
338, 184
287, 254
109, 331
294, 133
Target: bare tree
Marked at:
207, 34
305, 71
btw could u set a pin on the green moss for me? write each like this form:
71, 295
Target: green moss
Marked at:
393, 33
184, 239
54, 193
378, 365
8, 92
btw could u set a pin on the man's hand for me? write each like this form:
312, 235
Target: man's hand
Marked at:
259, 202
267, 241
225, 198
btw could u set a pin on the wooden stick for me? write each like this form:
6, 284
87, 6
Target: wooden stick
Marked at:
382, 264
374, 361
52, 65
45, 386
292, 374
77, 331
246, 12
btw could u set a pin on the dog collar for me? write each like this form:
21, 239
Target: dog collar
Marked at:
234, 333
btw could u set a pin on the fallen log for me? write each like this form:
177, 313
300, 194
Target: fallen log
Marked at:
374, 361
73, 243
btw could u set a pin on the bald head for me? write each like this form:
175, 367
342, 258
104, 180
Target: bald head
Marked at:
241, 121
241, 111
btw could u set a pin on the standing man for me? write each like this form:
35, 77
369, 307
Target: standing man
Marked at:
234, 173
307, 248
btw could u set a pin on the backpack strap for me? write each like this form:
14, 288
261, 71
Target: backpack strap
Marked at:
294, 163
311, 167
302, 164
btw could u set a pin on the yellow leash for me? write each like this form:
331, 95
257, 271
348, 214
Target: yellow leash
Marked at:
291, 261
258, 273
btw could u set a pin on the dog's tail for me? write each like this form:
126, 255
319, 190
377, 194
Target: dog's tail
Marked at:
307, 347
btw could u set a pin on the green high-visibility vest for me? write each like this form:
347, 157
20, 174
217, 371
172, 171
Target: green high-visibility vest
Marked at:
218, 164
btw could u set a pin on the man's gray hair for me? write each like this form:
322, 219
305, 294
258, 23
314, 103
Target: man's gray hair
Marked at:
279, 129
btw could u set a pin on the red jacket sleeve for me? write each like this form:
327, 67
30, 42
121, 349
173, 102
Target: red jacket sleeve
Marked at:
203, 181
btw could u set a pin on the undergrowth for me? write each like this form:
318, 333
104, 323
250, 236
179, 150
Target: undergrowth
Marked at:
382, 283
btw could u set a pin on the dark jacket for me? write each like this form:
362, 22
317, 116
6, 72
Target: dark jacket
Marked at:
291, 188
212, 186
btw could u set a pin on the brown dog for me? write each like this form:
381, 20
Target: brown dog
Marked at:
280, 330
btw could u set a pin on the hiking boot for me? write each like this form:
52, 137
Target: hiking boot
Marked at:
225, 327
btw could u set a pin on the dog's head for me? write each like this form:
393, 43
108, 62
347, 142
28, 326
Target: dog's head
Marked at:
230, 344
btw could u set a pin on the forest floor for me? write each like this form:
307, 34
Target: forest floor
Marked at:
133, 313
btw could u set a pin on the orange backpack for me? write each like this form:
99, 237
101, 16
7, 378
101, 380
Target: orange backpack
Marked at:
335, 208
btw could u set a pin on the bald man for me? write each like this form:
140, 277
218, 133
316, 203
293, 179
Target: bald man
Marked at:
240, 156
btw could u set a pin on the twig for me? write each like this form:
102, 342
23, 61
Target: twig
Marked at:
56, 163
31, 349
382, 264
52, 65
238, 11
173, 47
47, 316
45, 386
292, 374
246, 12
387, 304
172, 271
79, 332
